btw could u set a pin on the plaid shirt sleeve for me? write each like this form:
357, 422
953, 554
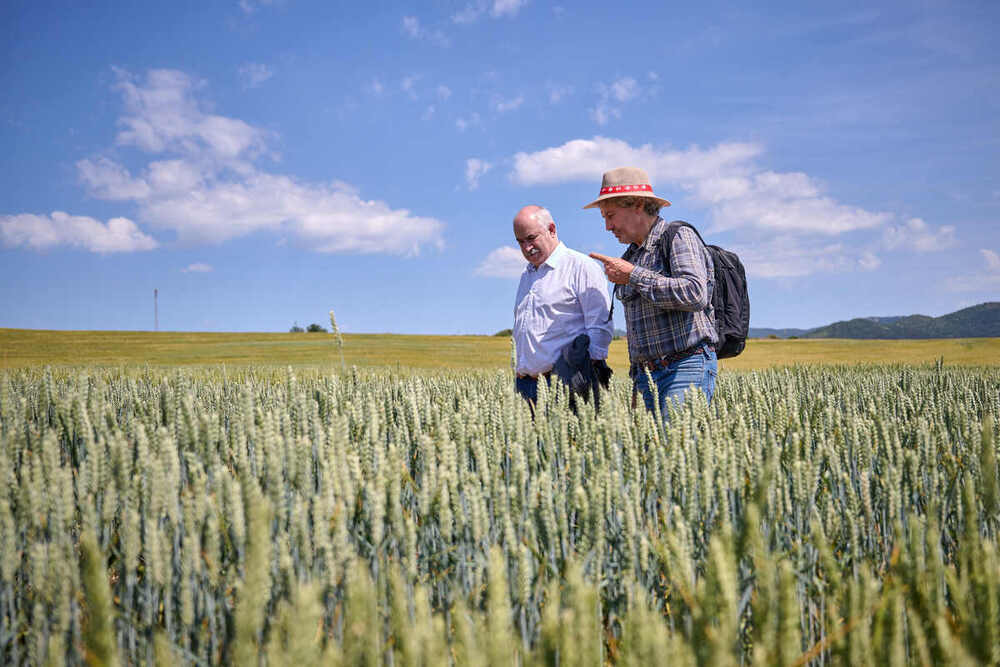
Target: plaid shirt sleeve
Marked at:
687, 286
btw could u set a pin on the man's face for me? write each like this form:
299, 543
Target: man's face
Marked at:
629, 225
537, 240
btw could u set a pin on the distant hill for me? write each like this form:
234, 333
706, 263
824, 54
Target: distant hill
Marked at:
982, 321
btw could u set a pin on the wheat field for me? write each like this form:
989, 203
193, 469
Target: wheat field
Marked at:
23, 348
262, 515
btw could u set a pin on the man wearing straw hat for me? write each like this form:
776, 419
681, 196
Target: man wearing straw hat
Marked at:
562, 320
666, 292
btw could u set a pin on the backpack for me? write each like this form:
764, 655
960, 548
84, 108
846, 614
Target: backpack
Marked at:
730, 298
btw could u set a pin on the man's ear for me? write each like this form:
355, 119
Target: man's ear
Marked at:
552, 228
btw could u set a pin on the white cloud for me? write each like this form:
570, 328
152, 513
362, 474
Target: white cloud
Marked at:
428, 113
473, 11
724, 178
470, 14
624, 90
328, 218
208, 188
40, 232
992, 260
412, 27
869, 261
109, 180
507, 7
586, 159
985, 280
250, 6
601, 114
407, 85
465, 123
375, 87
611, 97
558, 92
915, 234
504, 262
503, 106
169, 176
474, 170
793, 257
444, 92
782, 221
197, 267
254, 74
162, 115
807, 213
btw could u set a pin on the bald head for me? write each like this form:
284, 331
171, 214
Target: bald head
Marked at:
535, 231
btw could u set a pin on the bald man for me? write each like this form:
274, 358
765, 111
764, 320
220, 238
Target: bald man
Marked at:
562, 295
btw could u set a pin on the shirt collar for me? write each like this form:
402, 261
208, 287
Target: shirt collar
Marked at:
554, 258
653, 237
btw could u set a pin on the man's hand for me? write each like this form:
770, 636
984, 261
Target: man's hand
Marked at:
617, 269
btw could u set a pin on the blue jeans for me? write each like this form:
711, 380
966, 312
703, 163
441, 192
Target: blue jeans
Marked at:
698, 370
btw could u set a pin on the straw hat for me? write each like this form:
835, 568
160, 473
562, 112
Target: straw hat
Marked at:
626, 182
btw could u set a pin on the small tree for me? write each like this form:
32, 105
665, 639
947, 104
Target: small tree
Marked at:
296, 328
315, 328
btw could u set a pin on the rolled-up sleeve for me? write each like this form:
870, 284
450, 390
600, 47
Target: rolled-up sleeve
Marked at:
687, 286
595, 301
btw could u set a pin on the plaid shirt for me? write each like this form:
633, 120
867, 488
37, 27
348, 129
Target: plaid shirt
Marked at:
668, 309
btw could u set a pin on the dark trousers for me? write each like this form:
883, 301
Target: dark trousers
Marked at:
527, 387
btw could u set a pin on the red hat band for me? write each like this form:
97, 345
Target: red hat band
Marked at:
626, 188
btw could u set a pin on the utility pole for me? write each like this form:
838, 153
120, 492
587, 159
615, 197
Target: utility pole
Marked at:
156, 311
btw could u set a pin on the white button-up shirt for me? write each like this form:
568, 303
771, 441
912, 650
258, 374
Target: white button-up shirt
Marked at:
565, 296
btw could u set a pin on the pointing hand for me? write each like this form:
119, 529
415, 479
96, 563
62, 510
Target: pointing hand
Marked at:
617, 269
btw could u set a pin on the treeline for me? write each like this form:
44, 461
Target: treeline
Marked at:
312, 328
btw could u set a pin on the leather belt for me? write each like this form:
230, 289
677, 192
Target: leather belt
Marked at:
526, 376
666, 360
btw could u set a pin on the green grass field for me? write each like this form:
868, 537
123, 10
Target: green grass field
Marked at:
21, 348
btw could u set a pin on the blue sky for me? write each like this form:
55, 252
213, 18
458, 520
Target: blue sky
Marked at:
260, 162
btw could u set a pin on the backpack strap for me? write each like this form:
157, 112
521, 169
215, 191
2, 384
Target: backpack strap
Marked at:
667, 240
673, 227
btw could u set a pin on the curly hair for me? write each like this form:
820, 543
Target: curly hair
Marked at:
649, 206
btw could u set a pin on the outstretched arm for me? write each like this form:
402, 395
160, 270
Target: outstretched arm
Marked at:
615, 268
685, 289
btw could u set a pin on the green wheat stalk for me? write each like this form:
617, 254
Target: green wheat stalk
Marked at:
339, 339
